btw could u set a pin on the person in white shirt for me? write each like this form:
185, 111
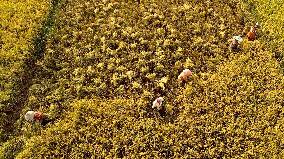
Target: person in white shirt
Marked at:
158, 103
36, 116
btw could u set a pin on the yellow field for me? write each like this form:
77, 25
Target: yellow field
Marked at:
19, 22
107, 61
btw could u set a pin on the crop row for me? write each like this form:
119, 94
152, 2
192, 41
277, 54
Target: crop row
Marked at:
19, 23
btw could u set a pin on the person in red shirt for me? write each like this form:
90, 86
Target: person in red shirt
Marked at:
35, 116
251, 35
38, 116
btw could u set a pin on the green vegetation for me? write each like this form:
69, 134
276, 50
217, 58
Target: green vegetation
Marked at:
270, 14
19, 23
107, 61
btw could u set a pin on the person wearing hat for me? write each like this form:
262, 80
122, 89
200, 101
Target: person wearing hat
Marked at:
186, 73
235, 43
158, 103
35, 116
161, 109
251, 35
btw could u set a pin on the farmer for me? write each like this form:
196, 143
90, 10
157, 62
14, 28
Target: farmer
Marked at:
251, 35
158, 103
35, 116
235, 43
184, 75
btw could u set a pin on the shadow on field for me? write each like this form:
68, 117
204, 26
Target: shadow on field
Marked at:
23, 78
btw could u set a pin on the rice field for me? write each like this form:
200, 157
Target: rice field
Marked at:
98, 66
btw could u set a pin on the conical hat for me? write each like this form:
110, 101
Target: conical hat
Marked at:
30, 116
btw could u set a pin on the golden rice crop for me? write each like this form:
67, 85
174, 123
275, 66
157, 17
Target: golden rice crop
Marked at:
107, 61
19, 22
